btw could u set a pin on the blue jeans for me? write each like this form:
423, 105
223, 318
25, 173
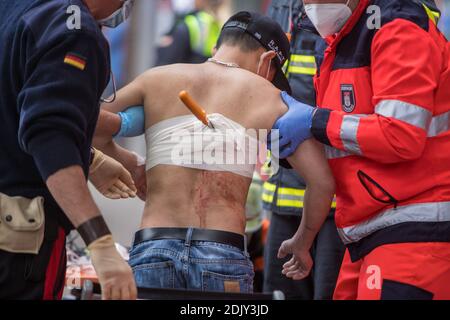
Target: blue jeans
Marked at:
192, 265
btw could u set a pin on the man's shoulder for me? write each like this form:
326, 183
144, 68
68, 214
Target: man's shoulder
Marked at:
236, 80
163, 74
254, 82
49, 20
260, 98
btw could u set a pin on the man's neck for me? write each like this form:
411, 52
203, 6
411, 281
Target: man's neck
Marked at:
235, 55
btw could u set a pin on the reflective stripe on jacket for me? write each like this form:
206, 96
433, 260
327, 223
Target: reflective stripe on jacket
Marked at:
204, 31
385, 104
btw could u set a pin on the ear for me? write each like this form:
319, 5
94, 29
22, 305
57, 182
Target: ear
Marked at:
214, 51
270, 54
265, 64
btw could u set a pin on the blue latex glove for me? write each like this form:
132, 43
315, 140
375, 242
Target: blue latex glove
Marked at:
295, 126
133, 122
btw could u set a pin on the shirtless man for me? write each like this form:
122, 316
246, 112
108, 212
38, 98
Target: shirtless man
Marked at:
192, 231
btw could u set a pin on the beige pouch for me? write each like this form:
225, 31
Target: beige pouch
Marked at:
21, 224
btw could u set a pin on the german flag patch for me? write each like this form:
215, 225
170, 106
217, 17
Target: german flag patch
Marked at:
75, 60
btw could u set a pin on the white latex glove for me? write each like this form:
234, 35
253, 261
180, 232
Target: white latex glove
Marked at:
114, 274
110, 177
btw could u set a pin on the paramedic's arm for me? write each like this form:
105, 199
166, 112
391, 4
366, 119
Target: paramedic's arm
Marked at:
309, 161
68, 186
405, 71
54, 115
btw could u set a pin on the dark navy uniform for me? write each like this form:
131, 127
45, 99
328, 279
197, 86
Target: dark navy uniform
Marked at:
283, 193
51, 82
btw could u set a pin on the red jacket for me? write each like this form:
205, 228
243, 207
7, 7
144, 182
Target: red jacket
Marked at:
384, 99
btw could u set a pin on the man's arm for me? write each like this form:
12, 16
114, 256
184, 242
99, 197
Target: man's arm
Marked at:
109, 122
107, 126
309, 161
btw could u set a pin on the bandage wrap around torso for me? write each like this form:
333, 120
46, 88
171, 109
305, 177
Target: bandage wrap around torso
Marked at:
184, 141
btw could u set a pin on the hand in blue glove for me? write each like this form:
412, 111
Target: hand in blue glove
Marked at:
133, 122
295, 126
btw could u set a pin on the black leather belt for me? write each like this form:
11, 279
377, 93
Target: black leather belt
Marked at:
224, 237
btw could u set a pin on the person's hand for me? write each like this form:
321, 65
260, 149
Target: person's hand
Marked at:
114, 274
139, 175
111, 178
300, 265
294, 126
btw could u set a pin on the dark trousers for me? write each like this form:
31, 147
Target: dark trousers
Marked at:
34, 277
327, 253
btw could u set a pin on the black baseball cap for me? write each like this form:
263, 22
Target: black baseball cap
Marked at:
270, 35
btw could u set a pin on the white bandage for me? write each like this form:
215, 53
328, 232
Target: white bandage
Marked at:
184, 141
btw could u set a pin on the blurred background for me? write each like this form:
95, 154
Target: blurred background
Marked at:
134, 47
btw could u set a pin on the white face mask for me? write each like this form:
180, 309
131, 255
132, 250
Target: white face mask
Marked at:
328, 18
119, 16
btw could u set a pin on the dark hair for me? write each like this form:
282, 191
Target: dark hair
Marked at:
239, 38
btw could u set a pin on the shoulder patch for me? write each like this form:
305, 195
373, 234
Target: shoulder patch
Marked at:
75, 60
348, 98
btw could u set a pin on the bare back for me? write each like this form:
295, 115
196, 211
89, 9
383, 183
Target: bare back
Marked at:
183, 197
